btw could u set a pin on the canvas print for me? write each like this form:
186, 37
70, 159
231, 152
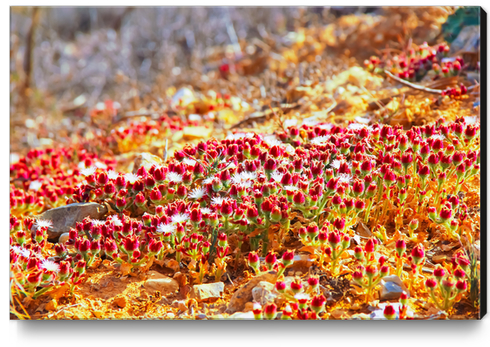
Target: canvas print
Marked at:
279, 163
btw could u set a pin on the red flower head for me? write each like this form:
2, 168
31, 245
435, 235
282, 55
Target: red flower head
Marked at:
299, 198
358, 253
430, 283
459, 273
296, 285
369, 248
400, 247
418, 254
288, 258
313, 282
389, 312
270, 311
131, 244
280, 286
339, 223
445, 214
154, 247
461, 286
270, 260
333, 240
318, 303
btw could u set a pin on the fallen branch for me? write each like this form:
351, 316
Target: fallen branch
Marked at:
413, 85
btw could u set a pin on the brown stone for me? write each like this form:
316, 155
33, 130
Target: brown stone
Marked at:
244, 294
66, 217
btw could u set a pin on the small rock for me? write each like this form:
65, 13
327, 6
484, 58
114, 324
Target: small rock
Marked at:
170, 315
249, 306
165, 285
208, 292
193, 133
121, 301
147, 160
363, 230
392, 288
201, 316
263, 294
242, 316
244, 294
66, 217
180, 304
64, 238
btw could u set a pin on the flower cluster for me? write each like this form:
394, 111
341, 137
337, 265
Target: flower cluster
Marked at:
417, 62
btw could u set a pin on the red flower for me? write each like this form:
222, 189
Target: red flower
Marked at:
131, 244
430, 283
389, 312
418, 254
317, 303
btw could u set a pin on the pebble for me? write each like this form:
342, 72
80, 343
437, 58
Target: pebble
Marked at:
392, 288
208, 291
158, 282
147, 160
66, 217
244, 293
242, 316
263, 293
64, 238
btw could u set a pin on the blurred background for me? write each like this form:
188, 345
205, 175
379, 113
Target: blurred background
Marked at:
66, 61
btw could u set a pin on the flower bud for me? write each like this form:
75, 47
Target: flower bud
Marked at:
389, 312
270, 311
317, 304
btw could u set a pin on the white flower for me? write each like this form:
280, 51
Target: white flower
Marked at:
40, 223
277, 176
272, 140
180, 217
327, 126
174, 177
356, 126
206, 210
35, 185
236, 136
189, 161
320, 140
289, 123
248, 175
16, 249
88, 171
98, 222
100, 165
440, 137
311, 121
131, 177
345, 178
245, 184
49, 265
301, 296
236, 178
335, 164
197, 193
471, 119
115, 219
165, 228
257, 306
208, 180
112, 175
291, 188
217, 200
290, 149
